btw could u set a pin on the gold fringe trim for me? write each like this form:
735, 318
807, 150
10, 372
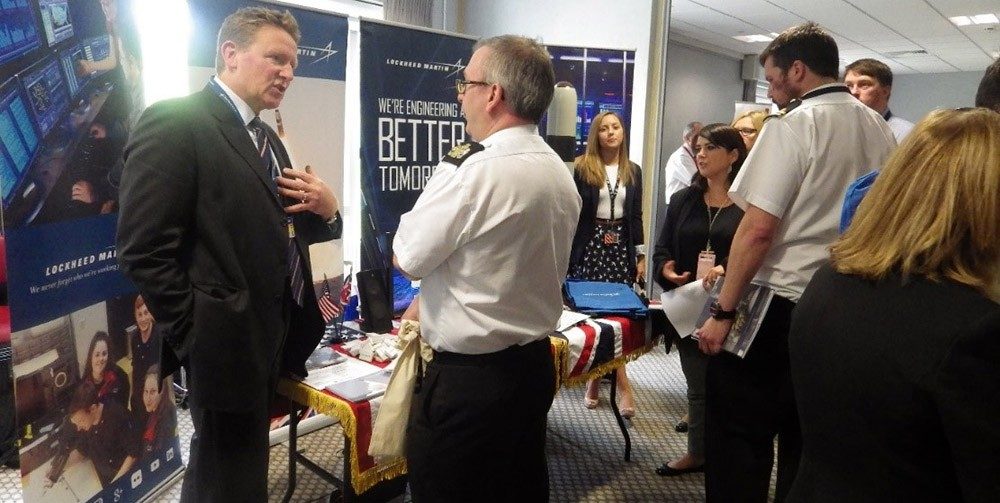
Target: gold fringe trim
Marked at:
560, 358
386, 469
604, 368
338, 408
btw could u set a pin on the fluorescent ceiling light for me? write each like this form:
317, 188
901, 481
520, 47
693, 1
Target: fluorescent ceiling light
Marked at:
753, 38
985, 19
977, 19
580, 58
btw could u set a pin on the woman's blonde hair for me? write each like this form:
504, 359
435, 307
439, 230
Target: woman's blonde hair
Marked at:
934, 211
756, 117
590, 165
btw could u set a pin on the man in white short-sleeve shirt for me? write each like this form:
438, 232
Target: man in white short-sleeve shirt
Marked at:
490, 236
791, 187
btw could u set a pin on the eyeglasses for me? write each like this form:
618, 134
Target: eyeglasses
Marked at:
462, 85
747, 131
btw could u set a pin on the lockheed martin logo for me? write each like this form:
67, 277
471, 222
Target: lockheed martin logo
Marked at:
452, 68
457, 66
320, 53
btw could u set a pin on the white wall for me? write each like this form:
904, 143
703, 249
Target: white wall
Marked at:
620, 25
915, 95
701, 86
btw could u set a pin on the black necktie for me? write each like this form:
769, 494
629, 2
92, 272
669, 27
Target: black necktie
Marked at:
295, 278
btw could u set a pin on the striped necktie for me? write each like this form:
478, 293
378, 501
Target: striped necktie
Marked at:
295, 278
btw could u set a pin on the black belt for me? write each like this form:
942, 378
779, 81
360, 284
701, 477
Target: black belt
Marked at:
510, 354
617, 221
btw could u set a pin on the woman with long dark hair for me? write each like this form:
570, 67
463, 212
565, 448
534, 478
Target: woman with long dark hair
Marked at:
693, 245
108, 377
608, 245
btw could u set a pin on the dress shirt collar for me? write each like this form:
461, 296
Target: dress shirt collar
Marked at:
511, 132
246, 113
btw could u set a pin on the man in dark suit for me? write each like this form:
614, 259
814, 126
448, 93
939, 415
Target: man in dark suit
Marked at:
217, 243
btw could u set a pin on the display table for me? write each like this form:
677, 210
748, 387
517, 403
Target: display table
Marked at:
586, 351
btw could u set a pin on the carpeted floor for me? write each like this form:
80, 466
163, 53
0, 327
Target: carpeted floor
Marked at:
585, 447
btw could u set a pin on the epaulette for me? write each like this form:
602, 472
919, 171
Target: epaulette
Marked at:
792, 105
459, 153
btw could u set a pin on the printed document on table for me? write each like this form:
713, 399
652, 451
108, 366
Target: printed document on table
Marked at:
569, 319
683, 304
346, 370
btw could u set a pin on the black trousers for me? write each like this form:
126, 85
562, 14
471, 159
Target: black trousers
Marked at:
748, 402
229, 457
229, 450
477, 427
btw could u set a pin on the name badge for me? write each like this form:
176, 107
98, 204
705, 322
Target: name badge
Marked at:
706, 261
291, 228
611, 238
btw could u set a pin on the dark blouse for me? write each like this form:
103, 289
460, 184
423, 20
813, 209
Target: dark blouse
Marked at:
685, 233
109, 442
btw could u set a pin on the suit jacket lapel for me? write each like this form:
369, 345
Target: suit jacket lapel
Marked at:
238, 138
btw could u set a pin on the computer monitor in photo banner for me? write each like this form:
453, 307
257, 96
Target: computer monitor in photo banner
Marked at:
70, 57
56, 20
47, 93
18, 32
19, 141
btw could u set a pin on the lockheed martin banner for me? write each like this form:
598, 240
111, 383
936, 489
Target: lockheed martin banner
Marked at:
410, 118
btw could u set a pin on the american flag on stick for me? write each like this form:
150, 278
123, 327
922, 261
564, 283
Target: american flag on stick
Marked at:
327, 306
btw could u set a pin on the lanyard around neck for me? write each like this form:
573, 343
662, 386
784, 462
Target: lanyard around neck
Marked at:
612, 193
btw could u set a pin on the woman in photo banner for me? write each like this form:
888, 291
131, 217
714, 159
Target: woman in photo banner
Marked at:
160, 425
609, 245
109, 379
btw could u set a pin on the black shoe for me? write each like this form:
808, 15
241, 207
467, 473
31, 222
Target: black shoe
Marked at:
665, 470
681, 427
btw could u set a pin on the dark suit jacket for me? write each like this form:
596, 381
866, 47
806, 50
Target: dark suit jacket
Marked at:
203, 235
898, 390
588, 214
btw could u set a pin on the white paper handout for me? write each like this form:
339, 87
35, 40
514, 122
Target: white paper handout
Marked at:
346, 370
683, 304
568, 319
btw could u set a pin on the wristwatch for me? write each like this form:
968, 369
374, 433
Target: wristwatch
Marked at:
716, 312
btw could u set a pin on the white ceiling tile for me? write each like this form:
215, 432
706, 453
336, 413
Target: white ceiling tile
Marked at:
862, 28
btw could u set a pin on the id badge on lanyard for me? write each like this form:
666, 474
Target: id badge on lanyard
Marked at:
706, 261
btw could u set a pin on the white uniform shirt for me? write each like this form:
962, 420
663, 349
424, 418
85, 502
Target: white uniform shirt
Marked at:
900, 127
491, 239
799, 170
678, 172
604, 195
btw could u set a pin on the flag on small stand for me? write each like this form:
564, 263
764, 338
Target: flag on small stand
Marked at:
330, 310
345, 291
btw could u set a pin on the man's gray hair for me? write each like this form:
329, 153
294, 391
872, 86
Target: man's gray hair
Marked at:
691, 128
523, 69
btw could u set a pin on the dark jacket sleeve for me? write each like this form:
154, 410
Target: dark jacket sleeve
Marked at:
966, 390
156, 198
635, 212
666, 248
585, 224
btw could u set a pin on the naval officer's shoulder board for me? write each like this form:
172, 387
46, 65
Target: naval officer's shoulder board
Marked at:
459, 153
792, 105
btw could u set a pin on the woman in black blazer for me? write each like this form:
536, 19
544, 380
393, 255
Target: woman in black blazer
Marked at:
608, 245
700, 218
895, 345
